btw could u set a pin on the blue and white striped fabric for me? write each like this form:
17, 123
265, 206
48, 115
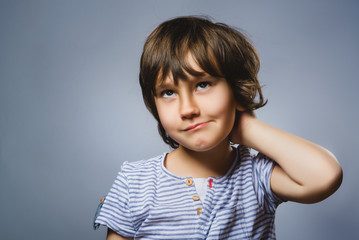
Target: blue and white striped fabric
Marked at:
148, 202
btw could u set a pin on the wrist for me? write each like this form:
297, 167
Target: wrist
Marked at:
247, 127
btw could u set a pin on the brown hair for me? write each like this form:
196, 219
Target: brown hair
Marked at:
219, 50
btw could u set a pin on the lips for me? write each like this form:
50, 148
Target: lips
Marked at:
196, 126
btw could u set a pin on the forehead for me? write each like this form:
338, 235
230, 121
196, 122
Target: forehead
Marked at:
173, 75
193, 63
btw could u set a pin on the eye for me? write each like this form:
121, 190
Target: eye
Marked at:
167, 93
203, 85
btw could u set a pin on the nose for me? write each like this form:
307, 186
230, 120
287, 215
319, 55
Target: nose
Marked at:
188, 107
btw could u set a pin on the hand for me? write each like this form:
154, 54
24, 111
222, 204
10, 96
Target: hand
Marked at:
238, 132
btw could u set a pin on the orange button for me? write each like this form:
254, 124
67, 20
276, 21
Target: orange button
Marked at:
189, 181
199, 211
195, 198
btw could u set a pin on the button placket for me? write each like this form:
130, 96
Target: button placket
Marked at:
195, 197
205, 221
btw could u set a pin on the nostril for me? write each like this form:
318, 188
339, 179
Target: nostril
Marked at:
189, 112
189, 116
188, 106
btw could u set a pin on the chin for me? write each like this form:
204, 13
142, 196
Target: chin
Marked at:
201, 146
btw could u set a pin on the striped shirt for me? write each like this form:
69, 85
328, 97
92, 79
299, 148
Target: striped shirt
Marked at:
146, 201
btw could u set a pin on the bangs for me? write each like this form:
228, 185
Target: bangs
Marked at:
177, 65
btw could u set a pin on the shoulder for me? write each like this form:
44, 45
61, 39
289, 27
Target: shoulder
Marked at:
243, 152
252, 163
246, 155
256, 168
143, 164
142, 167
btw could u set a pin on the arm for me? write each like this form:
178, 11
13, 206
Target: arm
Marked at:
305, 172
111, 235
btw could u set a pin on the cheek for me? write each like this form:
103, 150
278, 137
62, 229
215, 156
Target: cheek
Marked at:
223, 107
166, 117
167, 123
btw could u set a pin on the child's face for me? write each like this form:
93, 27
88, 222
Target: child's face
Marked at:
199, 112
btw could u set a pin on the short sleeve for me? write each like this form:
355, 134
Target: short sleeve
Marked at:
115, 212
262, 170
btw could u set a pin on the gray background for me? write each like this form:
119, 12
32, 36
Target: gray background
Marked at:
71, 109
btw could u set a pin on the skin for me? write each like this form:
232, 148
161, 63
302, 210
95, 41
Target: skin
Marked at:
305, 172
200, 128
111, 235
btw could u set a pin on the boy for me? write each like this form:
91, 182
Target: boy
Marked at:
199, 80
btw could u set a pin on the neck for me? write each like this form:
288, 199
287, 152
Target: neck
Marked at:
214, 162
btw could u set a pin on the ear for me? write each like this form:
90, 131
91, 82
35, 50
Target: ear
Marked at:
240, 108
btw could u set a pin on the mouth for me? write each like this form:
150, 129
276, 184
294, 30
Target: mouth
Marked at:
196, 126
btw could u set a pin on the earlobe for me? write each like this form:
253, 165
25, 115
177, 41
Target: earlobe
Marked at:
240, 108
